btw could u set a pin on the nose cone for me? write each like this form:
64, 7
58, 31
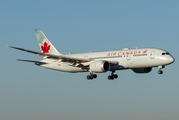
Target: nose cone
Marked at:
171, 60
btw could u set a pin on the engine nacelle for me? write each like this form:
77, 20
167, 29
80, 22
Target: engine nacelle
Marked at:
142, 70
99, 66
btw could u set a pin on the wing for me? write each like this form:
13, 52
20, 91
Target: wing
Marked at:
75, 61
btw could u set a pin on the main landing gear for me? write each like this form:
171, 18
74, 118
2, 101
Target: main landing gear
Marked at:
91, 76
112, 76
160, 71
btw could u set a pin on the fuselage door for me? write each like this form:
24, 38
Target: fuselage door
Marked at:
152, 55
128, 57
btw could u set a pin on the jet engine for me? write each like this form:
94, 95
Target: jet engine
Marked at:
99, 66
142, 70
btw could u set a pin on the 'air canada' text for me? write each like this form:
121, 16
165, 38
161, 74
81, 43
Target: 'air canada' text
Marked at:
127, 53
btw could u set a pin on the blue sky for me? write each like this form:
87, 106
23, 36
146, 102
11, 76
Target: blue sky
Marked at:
31, 92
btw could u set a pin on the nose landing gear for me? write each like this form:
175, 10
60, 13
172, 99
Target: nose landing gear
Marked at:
112, 76
160, 71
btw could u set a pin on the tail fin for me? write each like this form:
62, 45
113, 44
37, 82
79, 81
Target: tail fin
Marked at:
45, 45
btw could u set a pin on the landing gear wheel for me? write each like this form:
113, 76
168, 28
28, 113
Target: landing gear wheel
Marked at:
115, 76
109, 77
94, 76
112, 76
160, 72
89, 77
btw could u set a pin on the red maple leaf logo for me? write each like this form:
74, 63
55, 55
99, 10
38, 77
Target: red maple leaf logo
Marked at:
45, 48
144, 52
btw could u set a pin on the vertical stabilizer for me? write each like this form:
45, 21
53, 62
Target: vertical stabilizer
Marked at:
44, 44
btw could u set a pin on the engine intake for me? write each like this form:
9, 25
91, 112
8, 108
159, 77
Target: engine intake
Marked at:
142, 70
99, 66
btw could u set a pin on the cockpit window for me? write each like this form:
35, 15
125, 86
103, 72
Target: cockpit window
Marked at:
166, 53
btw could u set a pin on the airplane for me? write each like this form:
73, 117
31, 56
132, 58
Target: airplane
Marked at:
138, 60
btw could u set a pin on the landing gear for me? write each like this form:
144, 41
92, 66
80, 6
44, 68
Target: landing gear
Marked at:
160, 71
91, 76
112, 76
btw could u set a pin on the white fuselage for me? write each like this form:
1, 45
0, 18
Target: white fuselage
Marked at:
139, 60
125, 59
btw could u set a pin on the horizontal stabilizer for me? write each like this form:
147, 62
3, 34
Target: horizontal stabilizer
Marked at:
36, 62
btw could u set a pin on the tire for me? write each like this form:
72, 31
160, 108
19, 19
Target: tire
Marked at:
115, 76
88, 77
109, 77
160, 72
94, 76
